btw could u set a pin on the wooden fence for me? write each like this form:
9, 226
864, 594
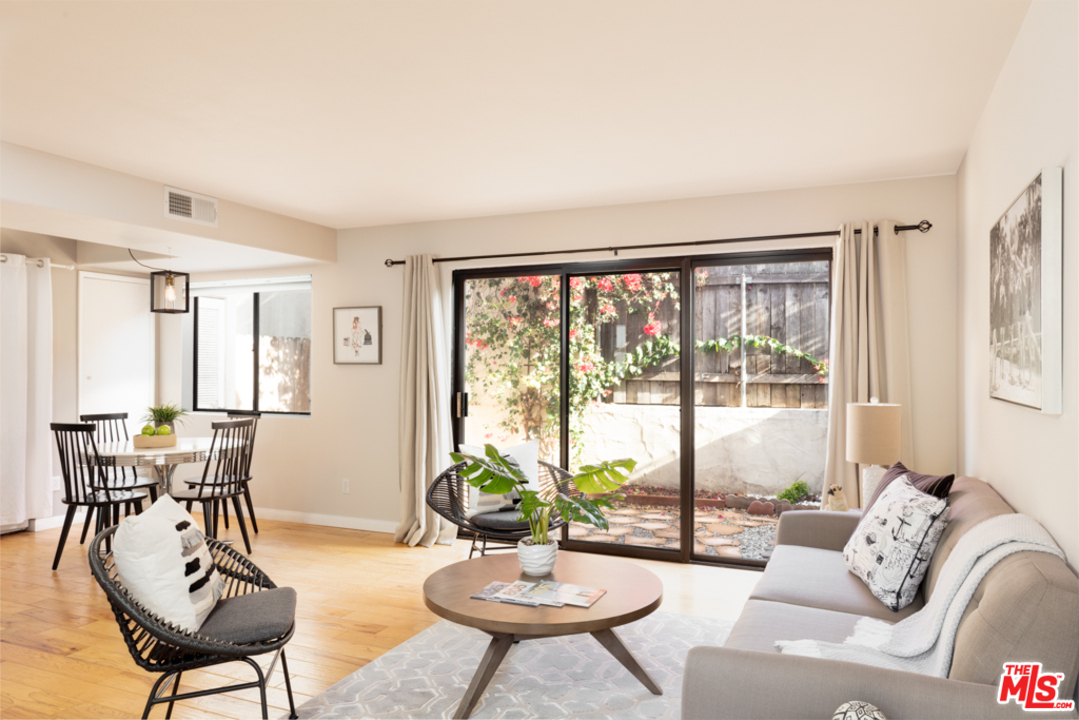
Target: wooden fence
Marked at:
785, 301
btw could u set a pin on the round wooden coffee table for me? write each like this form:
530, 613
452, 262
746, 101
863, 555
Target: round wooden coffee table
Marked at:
632, 593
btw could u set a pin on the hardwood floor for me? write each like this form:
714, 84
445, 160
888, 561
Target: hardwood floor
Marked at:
61, 654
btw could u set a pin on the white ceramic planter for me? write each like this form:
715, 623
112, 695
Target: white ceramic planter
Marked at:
537, 560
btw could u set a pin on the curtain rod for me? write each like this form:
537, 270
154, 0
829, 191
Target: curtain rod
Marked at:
923, 226
41, 264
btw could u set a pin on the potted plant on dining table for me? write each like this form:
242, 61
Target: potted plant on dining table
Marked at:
493, 473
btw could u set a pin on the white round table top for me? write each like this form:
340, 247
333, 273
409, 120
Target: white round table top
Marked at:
187, 449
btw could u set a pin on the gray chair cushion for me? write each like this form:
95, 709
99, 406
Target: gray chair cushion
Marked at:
819, 578
257, 617
503, 520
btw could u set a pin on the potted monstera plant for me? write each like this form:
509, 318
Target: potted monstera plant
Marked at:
493, 473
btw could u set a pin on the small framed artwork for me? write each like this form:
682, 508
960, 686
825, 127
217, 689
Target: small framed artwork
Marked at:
357, 335
1025, 296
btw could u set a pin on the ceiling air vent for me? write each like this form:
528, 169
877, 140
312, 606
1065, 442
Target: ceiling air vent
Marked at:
183, 205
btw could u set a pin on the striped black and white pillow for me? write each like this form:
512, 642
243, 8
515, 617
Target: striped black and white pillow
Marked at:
164, 562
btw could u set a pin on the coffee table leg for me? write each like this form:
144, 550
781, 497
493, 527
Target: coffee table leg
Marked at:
496, 651
615, 646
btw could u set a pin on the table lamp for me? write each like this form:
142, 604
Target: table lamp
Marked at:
874, 430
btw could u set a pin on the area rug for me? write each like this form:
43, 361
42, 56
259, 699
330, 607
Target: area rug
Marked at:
571, 676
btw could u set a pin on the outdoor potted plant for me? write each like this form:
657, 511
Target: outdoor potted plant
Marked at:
167, 415
495, 474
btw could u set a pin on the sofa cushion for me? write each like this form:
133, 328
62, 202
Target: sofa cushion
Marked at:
1026, 606
970, 502
819, 578
762, 622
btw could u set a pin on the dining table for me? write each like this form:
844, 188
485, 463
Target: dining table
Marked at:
163, 460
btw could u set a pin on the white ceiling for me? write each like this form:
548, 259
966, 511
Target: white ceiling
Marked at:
386, 111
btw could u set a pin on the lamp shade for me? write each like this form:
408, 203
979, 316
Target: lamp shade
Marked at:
874, 431
169, 292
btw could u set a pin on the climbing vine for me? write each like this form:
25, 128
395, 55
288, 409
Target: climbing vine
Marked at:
512, 329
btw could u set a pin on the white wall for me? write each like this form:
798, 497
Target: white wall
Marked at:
352, 432
1031, 121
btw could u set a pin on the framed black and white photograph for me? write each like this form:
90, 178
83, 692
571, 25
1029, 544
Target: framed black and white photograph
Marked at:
1025, 296
357, 335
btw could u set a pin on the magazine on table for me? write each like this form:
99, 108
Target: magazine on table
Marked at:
553, 594
492, 589
564, 593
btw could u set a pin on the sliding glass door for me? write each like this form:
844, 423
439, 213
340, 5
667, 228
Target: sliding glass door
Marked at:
509, 362
586, 361
625, 399
760, 398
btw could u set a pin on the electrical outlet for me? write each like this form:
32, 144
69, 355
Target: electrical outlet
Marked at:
344, 486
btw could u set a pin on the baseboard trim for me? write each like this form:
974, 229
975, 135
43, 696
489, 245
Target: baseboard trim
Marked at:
55, 521
337, 521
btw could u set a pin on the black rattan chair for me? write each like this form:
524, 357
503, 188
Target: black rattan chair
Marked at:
448, 496
86, 481
159, 646
231, 447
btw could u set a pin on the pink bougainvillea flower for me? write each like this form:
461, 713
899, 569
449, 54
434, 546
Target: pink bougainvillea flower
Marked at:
653, 328
607, 309
572, 334
513, 298
632, 281
550, 322
575, 282
535, 281
586, 367
522, 279
605, 284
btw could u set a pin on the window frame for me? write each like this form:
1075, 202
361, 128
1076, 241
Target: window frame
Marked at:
255, 370
686, 265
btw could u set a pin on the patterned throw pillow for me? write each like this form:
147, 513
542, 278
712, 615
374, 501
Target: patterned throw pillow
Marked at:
163, 561
892, 545
858, 710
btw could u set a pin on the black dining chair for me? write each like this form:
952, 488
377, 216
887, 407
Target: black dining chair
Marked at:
242, 415
448, 496
229, 456
110, 428
86, 481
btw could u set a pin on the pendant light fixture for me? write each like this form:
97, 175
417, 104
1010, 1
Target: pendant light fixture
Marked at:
168, 289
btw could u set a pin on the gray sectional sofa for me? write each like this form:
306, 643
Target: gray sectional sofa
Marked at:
1026, 609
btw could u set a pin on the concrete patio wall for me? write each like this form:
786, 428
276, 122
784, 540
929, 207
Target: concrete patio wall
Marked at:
758, 451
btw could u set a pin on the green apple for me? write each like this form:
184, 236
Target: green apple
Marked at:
164, 430
148, 430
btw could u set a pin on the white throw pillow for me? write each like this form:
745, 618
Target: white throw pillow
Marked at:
891, 548
526, 455
163, 561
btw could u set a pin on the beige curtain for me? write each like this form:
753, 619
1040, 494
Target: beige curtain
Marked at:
869, 353
424, 431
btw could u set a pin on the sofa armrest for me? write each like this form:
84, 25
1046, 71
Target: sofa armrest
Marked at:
747, 685
822, 529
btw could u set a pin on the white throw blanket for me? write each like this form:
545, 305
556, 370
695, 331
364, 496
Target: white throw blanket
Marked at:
923, 642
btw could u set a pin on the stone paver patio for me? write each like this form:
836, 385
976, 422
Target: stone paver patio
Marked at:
723, 532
